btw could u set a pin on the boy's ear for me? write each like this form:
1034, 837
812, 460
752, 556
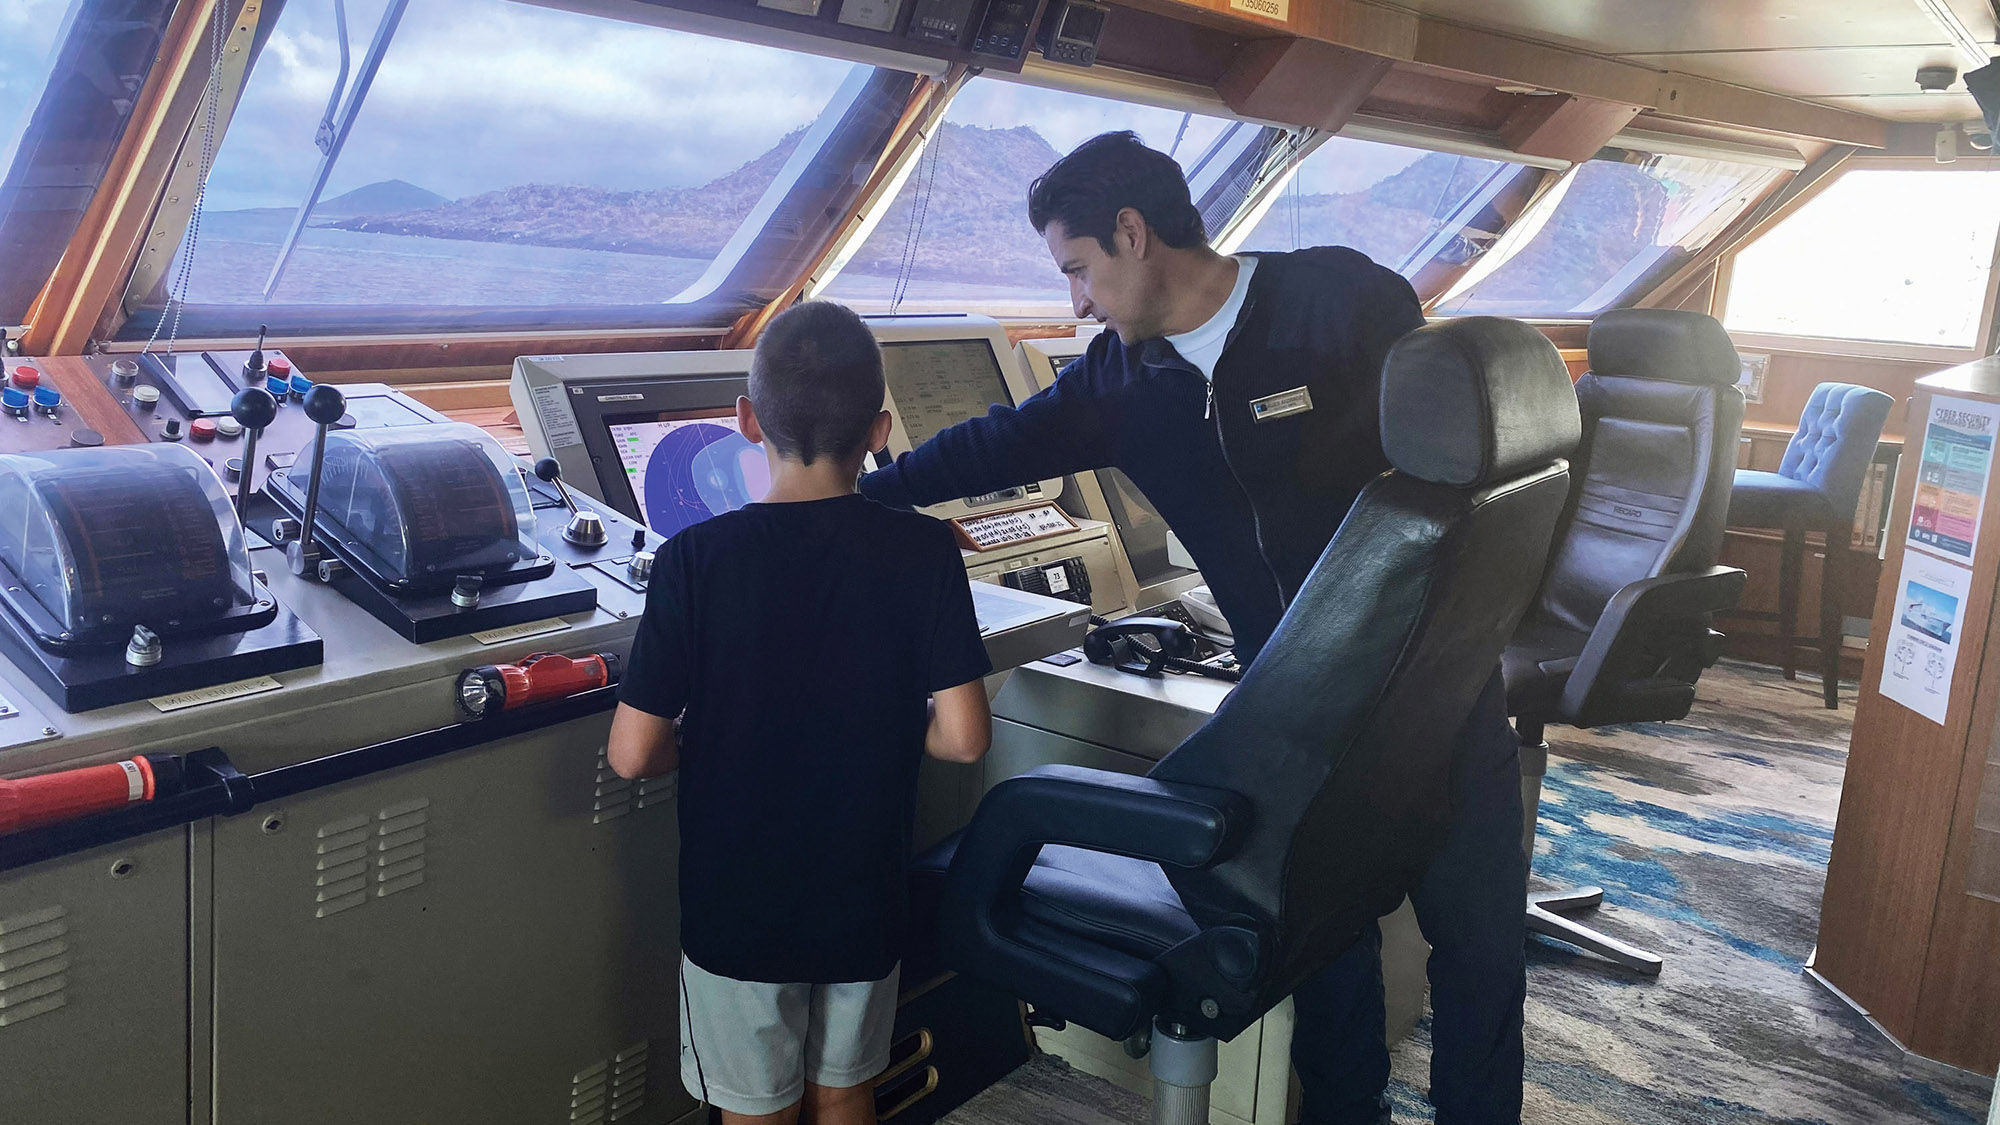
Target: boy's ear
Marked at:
878, 432
746, 420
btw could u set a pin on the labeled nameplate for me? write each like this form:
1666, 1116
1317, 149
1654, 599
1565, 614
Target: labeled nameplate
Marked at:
522, 631
1003, 529
257, 685
1269, 9
1284, 404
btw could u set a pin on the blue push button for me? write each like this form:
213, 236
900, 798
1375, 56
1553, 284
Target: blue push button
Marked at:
278, 386
300, 385
15, 401
47, 399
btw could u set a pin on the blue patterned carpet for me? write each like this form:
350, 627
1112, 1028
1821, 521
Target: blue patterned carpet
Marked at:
1710, 838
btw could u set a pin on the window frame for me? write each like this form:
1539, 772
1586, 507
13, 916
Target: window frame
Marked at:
1547, 199
1983, 340
714, 310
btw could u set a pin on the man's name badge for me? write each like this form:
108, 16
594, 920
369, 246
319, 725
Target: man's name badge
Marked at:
1284, 404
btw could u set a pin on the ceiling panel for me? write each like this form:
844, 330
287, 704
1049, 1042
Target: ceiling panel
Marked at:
1911, 107
1618, 27
1817, 73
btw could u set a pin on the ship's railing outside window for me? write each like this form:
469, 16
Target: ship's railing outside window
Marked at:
1406, 208
1607, 230
514, 165
70, 76
1899, 256
957, 235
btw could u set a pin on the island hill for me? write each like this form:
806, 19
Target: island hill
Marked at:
975, 225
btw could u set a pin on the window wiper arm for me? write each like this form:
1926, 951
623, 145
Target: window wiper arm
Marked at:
342, 123
324, 138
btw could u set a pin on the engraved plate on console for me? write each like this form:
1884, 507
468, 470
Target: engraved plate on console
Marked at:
217, 694
1022, 525
522, 631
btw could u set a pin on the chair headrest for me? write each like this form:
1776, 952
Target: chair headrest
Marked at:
1671, 344
1476, 400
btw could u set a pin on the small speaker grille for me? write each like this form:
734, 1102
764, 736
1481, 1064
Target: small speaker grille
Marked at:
34, 964
610, 1091
615, 797
362, 855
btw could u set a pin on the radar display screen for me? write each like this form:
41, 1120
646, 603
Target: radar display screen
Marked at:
685, 467
940, 383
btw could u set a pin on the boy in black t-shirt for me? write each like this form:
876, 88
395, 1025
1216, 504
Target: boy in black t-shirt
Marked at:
814, 646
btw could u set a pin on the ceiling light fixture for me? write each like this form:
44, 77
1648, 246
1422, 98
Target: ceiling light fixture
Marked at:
1975, 53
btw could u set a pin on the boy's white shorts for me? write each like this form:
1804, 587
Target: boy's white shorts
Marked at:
750, 1047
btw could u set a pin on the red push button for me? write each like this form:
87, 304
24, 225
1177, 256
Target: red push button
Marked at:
279, 366
27, 378
202, 429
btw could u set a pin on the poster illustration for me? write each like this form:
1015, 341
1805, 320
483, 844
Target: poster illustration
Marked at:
1952, 476
1923, 639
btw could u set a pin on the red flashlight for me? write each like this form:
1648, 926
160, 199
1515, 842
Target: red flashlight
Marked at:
32, 802
492, 688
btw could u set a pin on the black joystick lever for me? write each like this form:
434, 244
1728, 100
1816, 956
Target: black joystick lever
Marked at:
254, 367
586, 529
324, 405
256, 409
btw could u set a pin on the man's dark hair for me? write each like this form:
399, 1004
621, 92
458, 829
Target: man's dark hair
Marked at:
1085, 190
816, 382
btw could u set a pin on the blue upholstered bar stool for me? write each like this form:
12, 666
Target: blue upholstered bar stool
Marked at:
1816, 488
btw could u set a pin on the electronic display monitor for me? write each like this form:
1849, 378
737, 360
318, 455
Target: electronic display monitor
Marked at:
685, 466
939, 383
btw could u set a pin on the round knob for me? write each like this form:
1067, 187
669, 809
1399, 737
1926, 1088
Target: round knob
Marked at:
548, 470
325, 404
299, 384
202, 429
228, 427
171, 431
48, 398
147, 396
125, 371
638, 538
641, 566
85, 439
465, 591
144, 648
278, 387
254, 408
15, 401
27, 378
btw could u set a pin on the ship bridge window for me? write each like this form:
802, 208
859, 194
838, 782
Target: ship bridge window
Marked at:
511, 165
70, 75
957, 235
1892, 255
1406, 208
1608, 229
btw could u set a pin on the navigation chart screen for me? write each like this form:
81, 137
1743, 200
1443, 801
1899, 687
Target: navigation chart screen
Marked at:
940, 383
684, 468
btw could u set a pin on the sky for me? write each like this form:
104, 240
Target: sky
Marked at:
29, 29
475, 95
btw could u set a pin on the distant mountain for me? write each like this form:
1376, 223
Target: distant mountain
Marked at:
681, 222
385, 197
975, 222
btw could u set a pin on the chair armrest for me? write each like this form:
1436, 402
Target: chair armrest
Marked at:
981, 929
1648, 648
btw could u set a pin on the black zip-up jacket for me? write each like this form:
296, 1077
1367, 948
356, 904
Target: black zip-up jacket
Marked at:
1254, 501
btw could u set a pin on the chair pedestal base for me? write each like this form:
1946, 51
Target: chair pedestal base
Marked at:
1545, 917
1183, 1068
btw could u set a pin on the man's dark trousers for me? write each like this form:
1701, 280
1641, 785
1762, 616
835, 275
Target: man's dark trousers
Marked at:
1471, 908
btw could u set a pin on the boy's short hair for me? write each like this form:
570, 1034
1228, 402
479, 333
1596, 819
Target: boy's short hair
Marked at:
1085, 190
816, 382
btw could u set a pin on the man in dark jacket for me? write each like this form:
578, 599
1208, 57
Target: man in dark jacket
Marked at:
1241, 394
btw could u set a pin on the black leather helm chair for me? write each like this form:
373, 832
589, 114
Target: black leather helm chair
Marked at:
1621, 631
1194, 899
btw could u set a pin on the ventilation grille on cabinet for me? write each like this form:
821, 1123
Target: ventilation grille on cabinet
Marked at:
615, 796
610, 1091
34, 963
384, 852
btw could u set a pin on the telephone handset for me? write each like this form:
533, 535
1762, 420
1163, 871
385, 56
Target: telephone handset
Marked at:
1151, 647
